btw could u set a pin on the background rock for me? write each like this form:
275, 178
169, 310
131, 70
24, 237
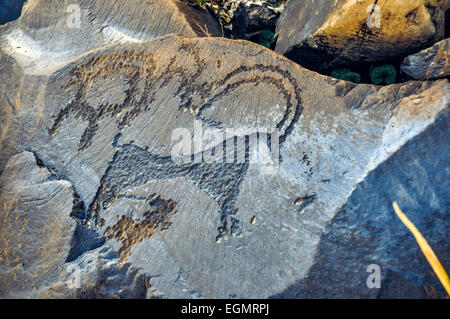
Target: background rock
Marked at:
241, 19
429, 64
35, 227
365, 231
47, 35
102, 277
323, 37
250, 18
104, 122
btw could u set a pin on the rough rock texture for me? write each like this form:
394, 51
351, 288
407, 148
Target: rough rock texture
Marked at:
429, 64
102, 277
35, 227
365, 231
104, 122
323, 34
241, 18
47, 34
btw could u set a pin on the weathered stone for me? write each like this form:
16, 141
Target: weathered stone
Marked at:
35, 227
104, 121
102, 277
242, 18
51, 32
254, 17
365, 231
429, 64
323, 36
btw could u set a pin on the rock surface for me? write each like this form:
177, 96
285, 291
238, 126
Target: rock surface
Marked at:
51, 32
322, 37
104, 122
35, 227
242, 18
365, 231
429, 64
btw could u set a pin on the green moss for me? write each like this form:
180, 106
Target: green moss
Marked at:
266, 38
347, 75
384, 73
265, 44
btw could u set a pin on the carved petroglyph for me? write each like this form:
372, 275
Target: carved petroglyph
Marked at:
143, 77
129, 232
130, 66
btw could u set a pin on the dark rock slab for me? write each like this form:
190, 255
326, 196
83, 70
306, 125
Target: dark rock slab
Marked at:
366, 230
324, 35
242, 19
51, 32
35, 227
429, 64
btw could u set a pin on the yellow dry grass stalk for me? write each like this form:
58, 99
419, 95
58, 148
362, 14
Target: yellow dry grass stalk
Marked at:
204, 30
426, 249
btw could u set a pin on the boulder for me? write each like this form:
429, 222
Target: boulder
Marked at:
324, 36
365, 232
51, 32
35, 227
429, 64
110, 120
242, 19
102, 277
254, 16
